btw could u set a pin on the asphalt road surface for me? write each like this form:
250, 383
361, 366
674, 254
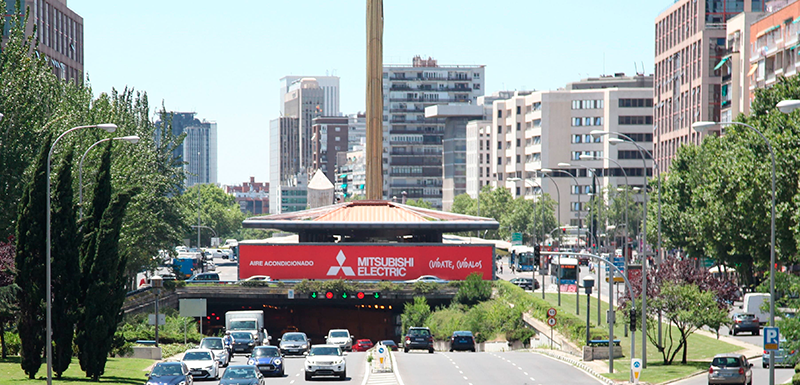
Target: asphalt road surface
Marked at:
421, 367
356, 366
760, 375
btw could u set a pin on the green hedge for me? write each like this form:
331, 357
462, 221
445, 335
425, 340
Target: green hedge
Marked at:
796, 379
135, 328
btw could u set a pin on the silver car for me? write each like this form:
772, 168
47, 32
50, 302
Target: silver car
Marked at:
730, 368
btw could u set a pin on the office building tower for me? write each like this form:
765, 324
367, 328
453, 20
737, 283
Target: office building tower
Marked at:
329, 138
200, 153
413, 143
304, 101
284, 160
330, 92
690, 40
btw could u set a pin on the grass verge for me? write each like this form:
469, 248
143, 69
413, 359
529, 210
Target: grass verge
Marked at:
123, 371
701, 348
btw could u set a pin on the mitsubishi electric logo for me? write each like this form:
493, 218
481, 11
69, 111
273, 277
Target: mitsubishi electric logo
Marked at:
347, 270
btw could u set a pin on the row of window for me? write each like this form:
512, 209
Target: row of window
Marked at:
641, 137
586, 138
632, 120
587, 104
631, 154
588, 121
635, 103
576, 155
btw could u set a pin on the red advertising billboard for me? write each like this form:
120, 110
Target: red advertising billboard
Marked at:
396, 262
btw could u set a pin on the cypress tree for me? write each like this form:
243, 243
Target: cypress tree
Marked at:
103, 302
30, 263
65, 267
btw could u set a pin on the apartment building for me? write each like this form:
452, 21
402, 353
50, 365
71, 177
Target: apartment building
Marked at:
690, 41
774, 45
736, 68
59, 31
413, 143
329, 138
252, 197
546, 128
284, 158
357, 130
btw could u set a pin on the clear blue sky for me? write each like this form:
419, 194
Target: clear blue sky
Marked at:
224, 60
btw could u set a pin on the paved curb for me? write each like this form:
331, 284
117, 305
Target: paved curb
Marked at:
576, 363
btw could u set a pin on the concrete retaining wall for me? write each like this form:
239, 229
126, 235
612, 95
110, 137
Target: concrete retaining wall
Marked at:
146, 352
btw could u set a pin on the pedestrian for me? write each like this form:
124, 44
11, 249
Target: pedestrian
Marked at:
501, 267
513, 269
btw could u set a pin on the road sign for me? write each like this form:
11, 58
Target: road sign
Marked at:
151, 319
516, 238
551, 321
290, 293
636, 368
382, 354
551, 312
772, 336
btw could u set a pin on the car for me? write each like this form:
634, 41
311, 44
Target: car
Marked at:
730, 368
525, 283
462, 340
204, 278
242, 375
258, 278
170, 373
201, 363
296, 343
325, 360
427, 278
362, 345
243, 342
744, 322
419, 338
391, 345
783, 357
341, 338
268, 360
217, 346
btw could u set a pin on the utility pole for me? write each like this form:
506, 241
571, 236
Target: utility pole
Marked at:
374, 149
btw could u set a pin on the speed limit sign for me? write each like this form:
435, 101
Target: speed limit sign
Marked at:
551, 312
551, 321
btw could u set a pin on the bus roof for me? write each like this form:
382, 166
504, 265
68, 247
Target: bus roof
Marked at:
564, 260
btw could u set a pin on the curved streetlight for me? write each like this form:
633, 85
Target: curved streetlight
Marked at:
545, 172
784, 106
541, 191
621, 138
109, 127
130, 139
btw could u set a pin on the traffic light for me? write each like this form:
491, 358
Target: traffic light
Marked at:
344, 295
537, 254
633, 319
376, 295
329, 295
343, 177
314, 295
360, 295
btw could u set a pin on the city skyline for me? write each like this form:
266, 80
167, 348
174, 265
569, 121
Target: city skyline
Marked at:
225, 63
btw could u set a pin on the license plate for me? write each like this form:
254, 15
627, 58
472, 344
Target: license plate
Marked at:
419, 339
294, 350
196, 372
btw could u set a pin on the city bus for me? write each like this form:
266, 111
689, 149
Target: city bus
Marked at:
565, 269
525, 261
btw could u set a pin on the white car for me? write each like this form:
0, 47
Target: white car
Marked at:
217, 346
427, 278
341, 338
325, 360
201, 363
261, 278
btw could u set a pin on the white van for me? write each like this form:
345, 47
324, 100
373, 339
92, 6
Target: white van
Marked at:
752, 304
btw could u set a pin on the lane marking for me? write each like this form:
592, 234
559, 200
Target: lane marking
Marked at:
525, 373
465, 377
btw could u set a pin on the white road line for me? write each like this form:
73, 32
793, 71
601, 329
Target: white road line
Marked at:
526, 373
519, 367
457, 367
460, 372
291, 382
465, 377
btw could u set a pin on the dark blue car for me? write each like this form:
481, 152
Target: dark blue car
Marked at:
268, 360
170, 373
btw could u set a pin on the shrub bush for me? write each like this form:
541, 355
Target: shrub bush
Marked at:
136, 328
422, 287
12, 343
796, 379
473, 290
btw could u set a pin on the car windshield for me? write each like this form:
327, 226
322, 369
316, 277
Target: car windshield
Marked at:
746, 317
266, 352
728, 362
388, 342
167, 370
339, 335
465, 334
239, 373
197, 356
211, 344
243, 325
293, 337
419, 332
242, 336
325, 351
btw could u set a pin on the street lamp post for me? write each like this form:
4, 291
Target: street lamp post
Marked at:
157, 283
130, 139
541, 191
109, 127
784, 106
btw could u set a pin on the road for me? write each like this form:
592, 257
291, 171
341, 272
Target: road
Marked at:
760, 375
356, 366
419, 367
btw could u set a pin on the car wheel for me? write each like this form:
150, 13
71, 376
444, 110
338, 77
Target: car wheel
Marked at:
405, 350
451, 349
730, 331
308, 376
473, 350
430, 350
758, 332
343, 375
734, 333
282, 373
764, 365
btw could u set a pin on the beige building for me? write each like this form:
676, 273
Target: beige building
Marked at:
690, 41
545, 128
305, 102
736, 67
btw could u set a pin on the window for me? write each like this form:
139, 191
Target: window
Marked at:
576, 155
576, 206
640, 137
587, 138
518, 142
487, 158
519, 110
576, 139
631, 154
598, 121
537, 123
627, 103
499, 129
476, 86
499, 145
537, 139
338, 129
598, 138
519, 125
337, 138
576, 122
499, 161
518, 195
587, 121
337, 148
633, 120
575, 190
499, 113
518, 159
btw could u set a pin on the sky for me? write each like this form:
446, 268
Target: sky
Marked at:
223, 60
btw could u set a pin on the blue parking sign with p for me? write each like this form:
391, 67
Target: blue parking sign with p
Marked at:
771, 338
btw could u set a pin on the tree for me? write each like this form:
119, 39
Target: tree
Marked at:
473, 290
65, 267
8, 290
106, 291
30, 263
218, 211
416, 313
420, 203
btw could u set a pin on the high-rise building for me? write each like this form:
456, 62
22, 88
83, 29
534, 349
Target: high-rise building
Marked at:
330, 92
304, 102
200, 153
59, 31
736, 68
540, 130
773, 46
284, 160
690, 40
413, 143
357, 130
329, 135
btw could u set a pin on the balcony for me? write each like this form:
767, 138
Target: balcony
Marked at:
431, 101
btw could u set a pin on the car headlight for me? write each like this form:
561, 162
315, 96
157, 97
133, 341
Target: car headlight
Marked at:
182, 383
251, 362
152, 383
304, 346
251, 344
278, 361
209, 367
